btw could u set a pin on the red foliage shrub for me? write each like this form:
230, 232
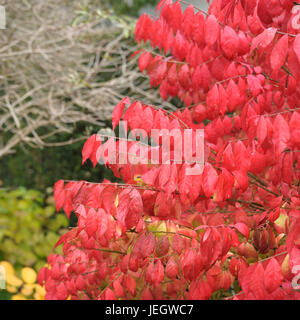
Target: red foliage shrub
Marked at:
231, 231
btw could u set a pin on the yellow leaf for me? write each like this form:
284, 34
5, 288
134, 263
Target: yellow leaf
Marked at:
27, 290
28, 275
38, 296
11, 289
281, 220
18, 297
13, 280
285, 267
40, 290
9, 269
117, 201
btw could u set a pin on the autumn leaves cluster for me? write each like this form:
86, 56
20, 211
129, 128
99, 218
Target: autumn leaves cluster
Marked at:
230, 232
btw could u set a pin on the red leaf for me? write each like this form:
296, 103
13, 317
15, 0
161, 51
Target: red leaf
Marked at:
175, 16
263, 39
233, 94
64, 237
144, 60
212, 30
147, 124
272, 276
103, 222
158, 74
279, 53
132, 115
150, 176
243, 229
158, 273
209, 180
242, 180
213, 98
199, 113
149, 272
254, 85
228, 158
196, 82
243, 46
262, 130
198, 34
133, 263
88, 148
80, 282
184, 76
145, 245
172, 182
224, 99
188, 21
287, 168
118, 288
164, 174
229, 42
109, 294
162, 246
42, 275
252, 281
59, 194
297, 46
130, 284
135, 209
143, 28
281, 134
172, 269
118, 111
61, 292
178, 243
147, 295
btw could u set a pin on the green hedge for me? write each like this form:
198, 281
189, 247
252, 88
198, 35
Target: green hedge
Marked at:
29, 227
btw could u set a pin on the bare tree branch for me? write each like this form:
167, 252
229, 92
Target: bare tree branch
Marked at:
58, 70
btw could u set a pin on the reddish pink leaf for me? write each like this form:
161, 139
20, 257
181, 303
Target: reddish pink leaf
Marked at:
209, 180
279, 53
212, 30
118, 111
243, 229
297, 46
172, 269
263, 39
273, 276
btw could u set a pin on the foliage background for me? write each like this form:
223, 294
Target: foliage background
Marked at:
29, 229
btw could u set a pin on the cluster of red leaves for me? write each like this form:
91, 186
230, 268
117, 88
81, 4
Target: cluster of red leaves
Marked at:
231, 232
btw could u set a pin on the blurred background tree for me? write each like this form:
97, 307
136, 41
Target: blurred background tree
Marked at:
65, 65
131, 7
